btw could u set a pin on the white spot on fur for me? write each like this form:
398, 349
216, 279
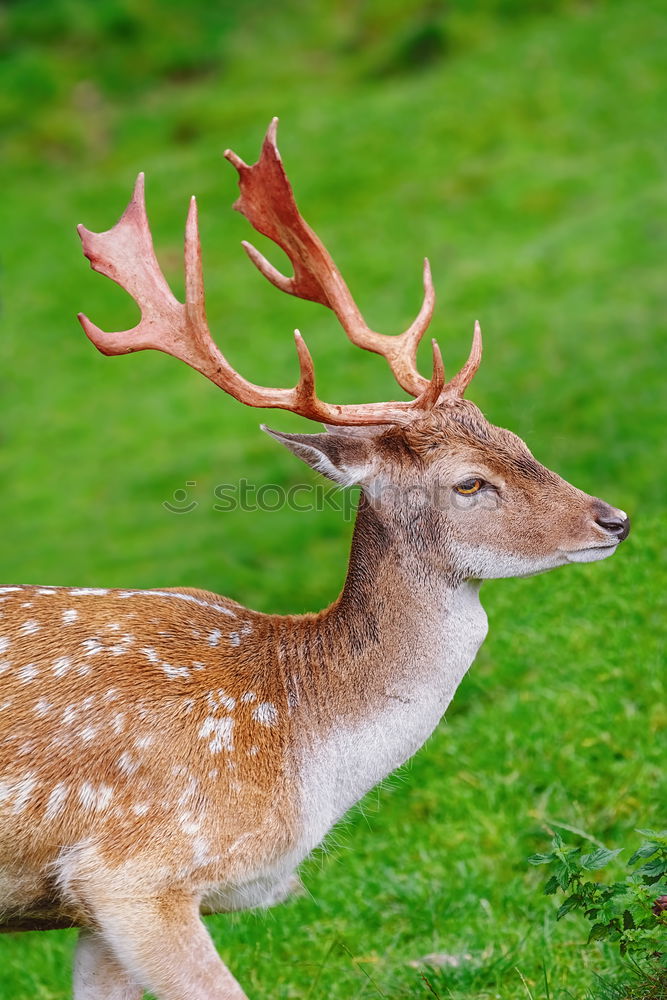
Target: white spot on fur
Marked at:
42, 707
122, 646
28, 673
88, 591
4, 643
127, 764
175, 672
143, 742
170, 670
92, 646
253, 751
188, 825
30, 627
219, 699
266, 714
46, 591
95, 798
118, 723
88, 734
220, 733
140, 808
5, 665
61, 665
249, 696
56, 801
22, 790
9, 590
234, 639
213, 637
69, 715
70, 615
201, 852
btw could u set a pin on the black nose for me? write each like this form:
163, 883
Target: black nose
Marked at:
615, 521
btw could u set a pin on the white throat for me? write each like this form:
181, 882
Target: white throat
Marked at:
340, 767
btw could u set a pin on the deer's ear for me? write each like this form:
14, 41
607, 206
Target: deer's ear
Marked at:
341, 457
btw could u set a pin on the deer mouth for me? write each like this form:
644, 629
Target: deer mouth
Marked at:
592, 553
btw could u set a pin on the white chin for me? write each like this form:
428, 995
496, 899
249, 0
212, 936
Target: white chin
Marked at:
590, 555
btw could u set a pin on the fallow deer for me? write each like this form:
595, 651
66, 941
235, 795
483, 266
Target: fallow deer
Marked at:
168, 753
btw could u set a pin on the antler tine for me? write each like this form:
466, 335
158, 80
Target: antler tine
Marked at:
457, 386
125, 254
108, 254
402, 348
435, 387
267, 201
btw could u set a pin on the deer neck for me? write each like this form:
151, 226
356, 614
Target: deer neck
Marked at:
379, 667
406, 619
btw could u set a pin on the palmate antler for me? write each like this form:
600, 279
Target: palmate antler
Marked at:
125, 254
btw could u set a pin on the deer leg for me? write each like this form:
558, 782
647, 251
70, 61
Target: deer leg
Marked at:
97, 973
164, 945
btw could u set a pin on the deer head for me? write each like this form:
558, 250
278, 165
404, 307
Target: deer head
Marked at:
468, 496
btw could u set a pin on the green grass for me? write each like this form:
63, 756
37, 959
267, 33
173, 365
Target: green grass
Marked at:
527, 160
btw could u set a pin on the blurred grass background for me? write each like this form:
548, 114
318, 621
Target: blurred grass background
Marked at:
521, 146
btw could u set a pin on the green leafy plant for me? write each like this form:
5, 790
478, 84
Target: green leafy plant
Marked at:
631, 912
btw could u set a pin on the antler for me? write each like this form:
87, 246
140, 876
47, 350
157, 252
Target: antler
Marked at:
267, 201
125, 254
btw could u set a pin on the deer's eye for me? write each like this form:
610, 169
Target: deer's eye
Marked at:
469, 486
